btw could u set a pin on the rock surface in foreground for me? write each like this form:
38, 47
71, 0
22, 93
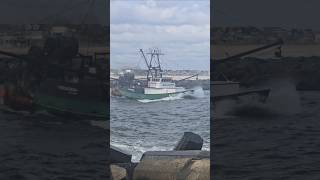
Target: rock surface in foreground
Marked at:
118, 173
175, 165
175, 169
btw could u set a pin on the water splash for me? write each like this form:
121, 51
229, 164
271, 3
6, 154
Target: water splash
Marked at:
283, 100
196, 92
170, 98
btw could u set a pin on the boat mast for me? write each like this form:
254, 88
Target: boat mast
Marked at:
155, 70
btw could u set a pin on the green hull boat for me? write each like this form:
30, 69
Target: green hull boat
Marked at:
140, 96
81, 101
71, 108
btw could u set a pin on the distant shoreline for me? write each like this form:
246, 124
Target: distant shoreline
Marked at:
82, 50
289, 50
178, 77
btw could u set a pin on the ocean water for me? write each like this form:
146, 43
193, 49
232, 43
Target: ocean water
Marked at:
276, 140
47, 147
155, 125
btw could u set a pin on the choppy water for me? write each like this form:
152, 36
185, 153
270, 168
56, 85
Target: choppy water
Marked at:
145, 125
277, 140
48, 147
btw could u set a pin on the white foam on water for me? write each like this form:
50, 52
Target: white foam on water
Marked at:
283, 98
205, 148
197, 92
170, 98
137, 151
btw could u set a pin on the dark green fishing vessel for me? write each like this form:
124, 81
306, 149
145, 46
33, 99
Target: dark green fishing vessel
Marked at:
54, 75
62, 81
78, 100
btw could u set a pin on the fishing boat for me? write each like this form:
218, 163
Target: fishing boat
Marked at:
156, 86
58, 79
79, 91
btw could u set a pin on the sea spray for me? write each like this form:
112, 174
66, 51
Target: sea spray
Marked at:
284, 99
170, 98
198, 92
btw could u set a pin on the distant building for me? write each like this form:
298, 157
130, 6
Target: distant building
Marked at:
60, 31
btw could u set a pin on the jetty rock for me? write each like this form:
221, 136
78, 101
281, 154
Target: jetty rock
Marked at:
119, 156
174, 165
189, 141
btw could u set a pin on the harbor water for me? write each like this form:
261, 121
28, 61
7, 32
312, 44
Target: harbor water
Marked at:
138, 126
49, 147
276, 140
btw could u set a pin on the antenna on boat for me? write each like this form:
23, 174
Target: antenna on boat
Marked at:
154, 65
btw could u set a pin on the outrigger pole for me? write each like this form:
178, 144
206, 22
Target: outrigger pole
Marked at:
279, 42
144, 57
146, 61
188, 77
153, 70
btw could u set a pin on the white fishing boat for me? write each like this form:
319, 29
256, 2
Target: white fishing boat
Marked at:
156, 86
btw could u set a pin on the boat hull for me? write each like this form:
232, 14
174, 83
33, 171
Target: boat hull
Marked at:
71, 108
81, 101
135, 95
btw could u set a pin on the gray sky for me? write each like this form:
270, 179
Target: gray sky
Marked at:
181, 29
35, 11
281, 13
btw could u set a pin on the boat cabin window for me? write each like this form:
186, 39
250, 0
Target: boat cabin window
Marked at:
166, 80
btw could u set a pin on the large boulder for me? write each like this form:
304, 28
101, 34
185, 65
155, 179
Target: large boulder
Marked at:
189, 141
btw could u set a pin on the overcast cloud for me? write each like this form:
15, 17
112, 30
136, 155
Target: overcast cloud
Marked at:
278, 13
181, 29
